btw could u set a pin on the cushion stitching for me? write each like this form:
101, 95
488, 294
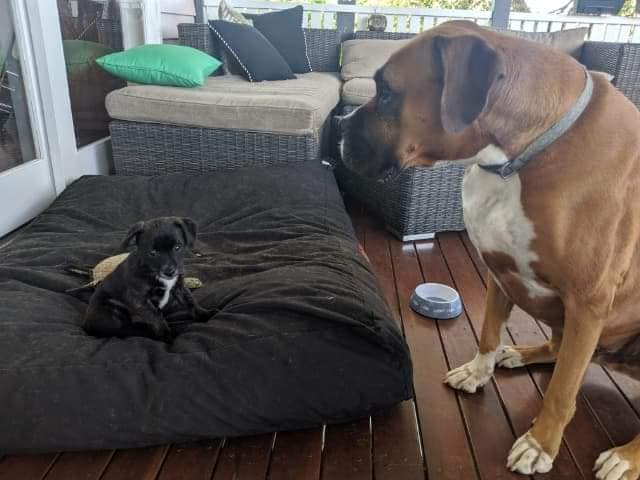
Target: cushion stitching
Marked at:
306, 50
232, 52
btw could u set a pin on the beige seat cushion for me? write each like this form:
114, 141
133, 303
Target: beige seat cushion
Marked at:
568, 41
358, 91
361, 58
296, 107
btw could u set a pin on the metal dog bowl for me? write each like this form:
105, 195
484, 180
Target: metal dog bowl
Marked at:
435, 300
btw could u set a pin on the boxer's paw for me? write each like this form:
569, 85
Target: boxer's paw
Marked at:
616, 464
528, 457
470, 376
509, 357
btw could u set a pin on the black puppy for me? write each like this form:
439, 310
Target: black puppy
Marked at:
138, 297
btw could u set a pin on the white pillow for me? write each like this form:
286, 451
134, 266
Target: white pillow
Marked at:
230, 14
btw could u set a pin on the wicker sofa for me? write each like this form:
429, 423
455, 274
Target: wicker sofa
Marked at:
262, 124
420, 202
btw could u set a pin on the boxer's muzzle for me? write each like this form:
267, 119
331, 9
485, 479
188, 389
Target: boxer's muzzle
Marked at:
363, 150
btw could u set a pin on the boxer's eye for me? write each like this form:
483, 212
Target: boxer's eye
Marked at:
385, 95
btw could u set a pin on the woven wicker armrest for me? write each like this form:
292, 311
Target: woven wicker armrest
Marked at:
622, 60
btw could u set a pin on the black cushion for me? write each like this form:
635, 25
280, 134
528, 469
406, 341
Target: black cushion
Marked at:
303, 337
258, 59
284, 30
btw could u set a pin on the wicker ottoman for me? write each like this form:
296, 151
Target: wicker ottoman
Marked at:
419, 203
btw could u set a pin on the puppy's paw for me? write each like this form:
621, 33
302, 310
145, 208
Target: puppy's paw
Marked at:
509, 357
470, 376
616, 464
528, 457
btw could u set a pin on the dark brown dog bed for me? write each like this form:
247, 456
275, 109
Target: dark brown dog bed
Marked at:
303, 336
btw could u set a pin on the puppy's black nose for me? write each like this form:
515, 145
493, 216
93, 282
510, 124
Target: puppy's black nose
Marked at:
169, 272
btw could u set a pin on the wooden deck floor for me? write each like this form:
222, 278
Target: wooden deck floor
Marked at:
440, 435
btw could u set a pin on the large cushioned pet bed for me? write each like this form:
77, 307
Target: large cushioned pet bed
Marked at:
303, 336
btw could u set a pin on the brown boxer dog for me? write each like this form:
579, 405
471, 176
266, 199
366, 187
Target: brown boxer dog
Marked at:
551, 200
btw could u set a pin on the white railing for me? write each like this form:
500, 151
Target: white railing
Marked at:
415, 20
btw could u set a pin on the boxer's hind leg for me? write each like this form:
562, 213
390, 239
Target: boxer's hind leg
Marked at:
518, 356
470, 376
620, 463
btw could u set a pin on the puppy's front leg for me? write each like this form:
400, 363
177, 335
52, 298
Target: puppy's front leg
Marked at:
478, 372
535, 451
200, 314
148, 316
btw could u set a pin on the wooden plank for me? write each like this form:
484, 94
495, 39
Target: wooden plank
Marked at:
396, 448
397, 454
609, 406
448, 455
629, 387
584, 436
80, 465
136, 464
297, 455
191, 461
26, 467
347, 451
489, 429
245, 458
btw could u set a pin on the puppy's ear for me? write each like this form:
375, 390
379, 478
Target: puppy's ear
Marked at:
469, 68
189, 230
132, 235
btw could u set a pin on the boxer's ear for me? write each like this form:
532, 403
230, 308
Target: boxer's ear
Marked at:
469, 68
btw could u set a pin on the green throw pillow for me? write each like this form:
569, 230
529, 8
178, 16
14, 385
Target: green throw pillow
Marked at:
79, 55
161, 65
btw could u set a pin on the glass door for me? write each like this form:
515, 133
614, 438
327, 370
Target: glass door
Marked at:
28, 181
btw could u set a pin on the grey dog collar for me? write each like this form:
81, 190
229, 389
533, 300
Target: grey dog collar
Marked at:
558, 129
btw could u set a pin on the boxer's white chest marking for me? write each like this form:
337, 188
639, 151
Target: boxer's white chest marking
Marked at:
168, 286
495, 218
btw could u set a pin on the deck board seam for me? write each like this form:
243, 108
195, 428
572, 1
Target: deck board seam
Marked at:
223, 444
416, 412
50, 466
463, 417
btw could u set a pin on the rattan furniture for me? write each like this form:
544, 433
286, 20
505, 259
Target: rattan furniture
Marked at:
150, 148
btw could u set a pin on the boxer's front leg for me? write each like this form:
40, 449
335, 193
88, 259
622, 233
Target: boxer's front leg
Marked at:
470, 376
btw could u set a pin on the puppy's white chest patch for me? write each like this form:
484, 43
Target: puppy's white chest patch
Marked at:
495, 218
168, 286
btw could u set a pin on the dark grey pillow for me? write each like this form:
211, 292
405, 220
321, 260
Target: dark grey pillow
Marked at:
258, 59
284, 30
